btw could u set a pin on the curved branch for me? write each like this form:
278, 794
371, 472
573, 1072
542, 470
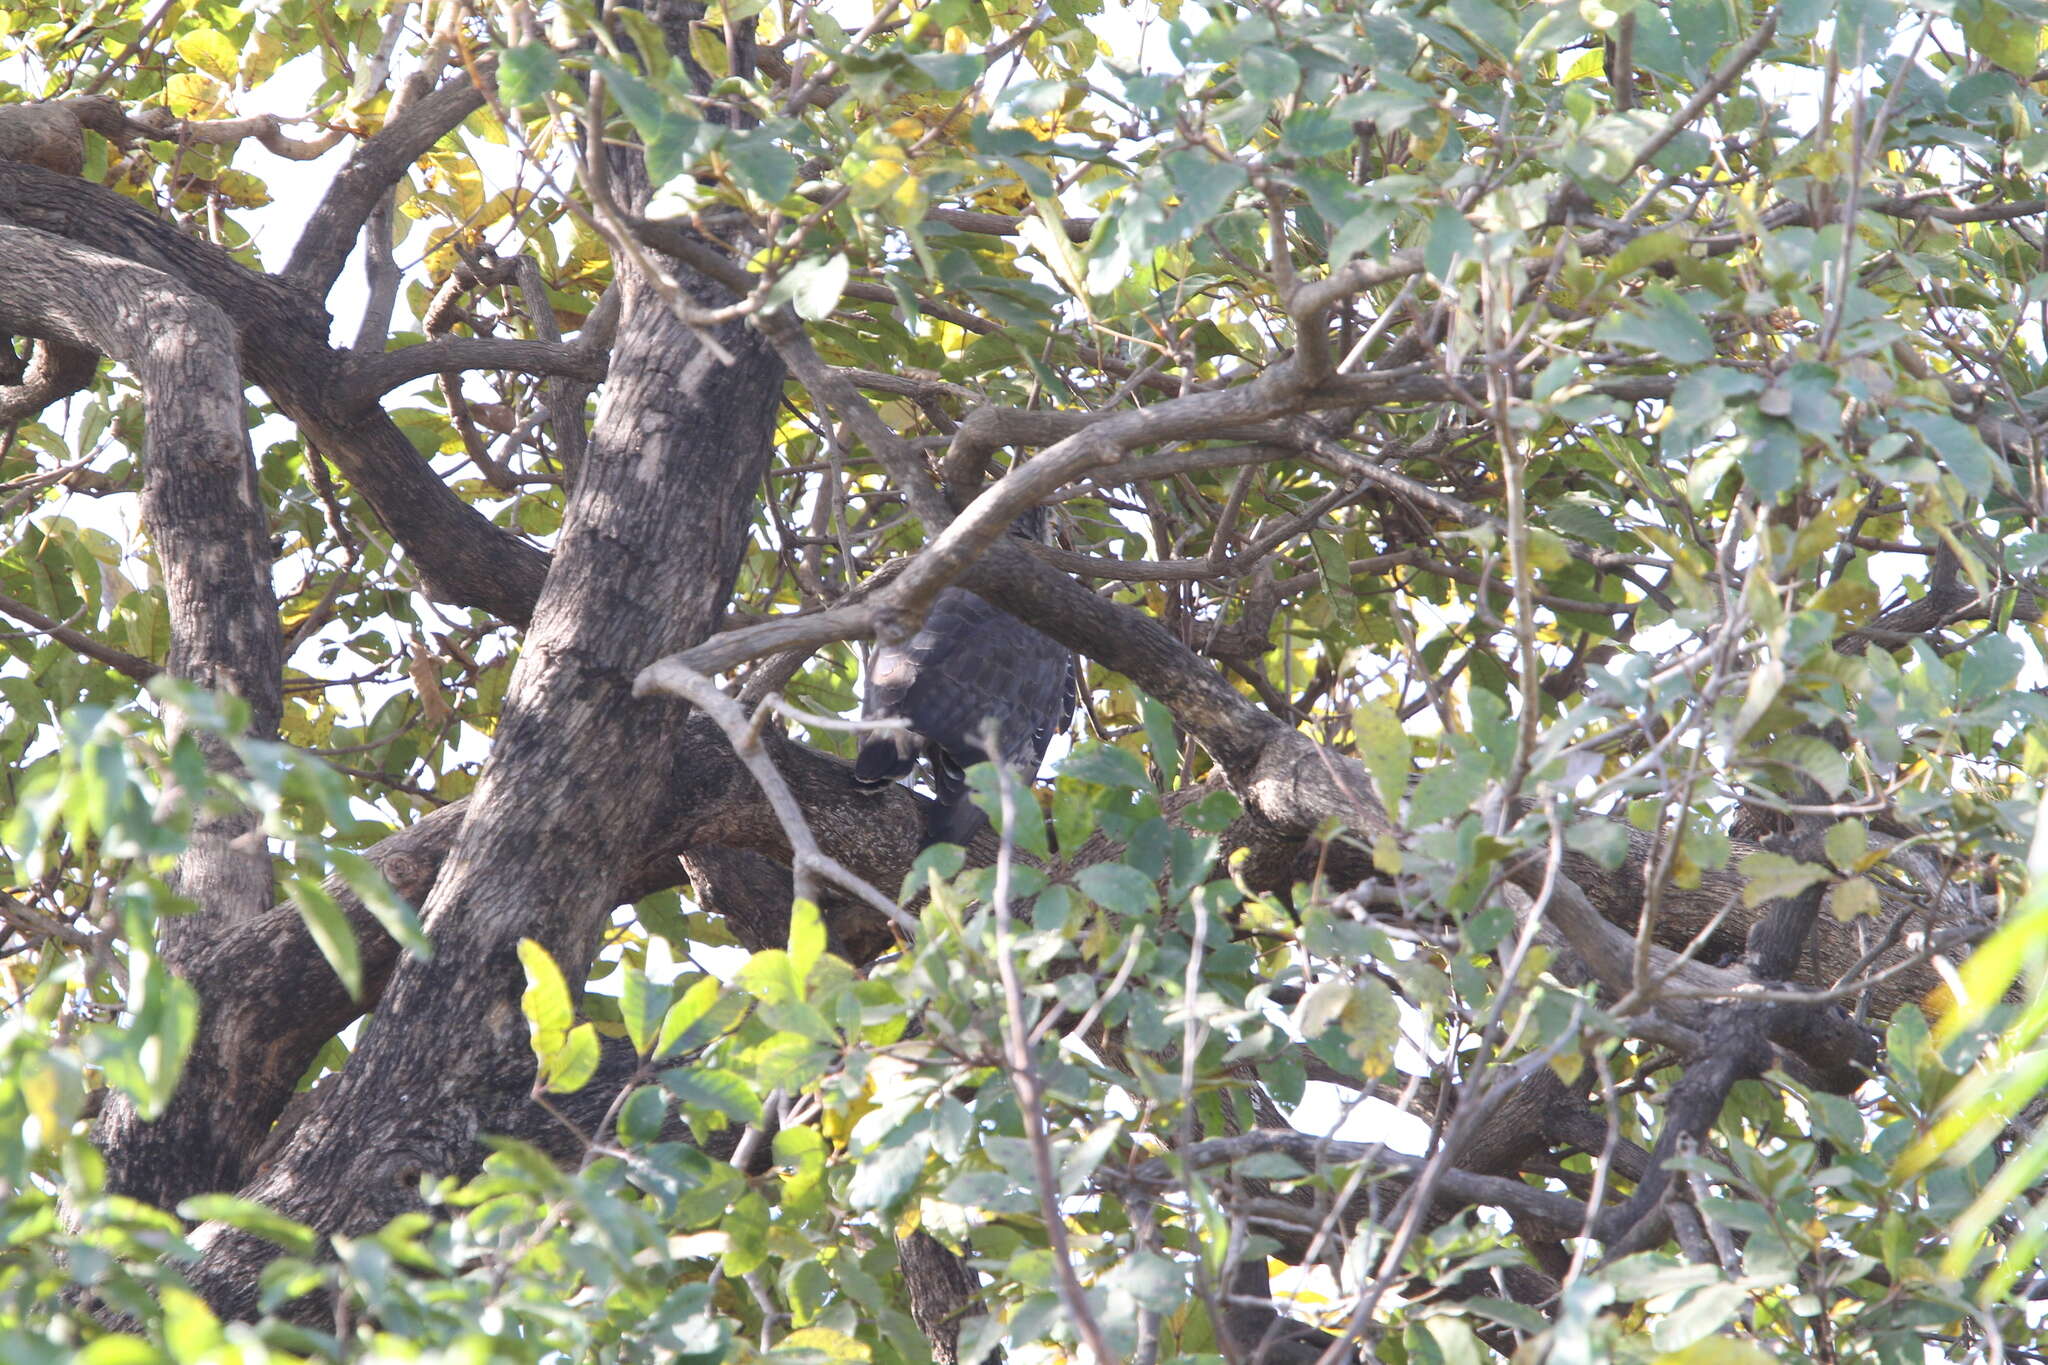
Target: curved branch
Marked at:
365, 378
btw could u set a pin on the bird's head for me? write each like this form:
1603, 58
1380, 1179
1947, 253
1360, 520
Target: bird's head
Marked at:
1035, 524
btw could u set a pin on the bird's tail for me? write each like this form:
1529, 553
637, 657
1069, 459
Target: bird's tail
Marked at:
953, 818
885, 758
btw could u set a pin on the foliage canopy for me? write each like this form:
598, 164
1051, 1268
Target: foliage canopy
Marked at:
1551, 497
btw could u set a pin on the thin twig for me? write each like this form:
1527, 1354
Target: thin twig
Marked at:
808, 862
1030, 1098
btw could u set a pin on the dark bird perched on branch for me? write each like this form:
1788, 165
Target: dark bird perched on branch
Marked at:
970, 665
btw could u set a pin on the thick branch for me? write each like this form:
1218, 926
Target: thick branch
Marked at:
369, 377
201, 506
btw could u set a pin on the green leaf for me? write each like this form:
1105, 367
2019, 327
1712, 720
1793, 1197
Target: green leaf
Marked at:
296, 1238
812, 286
570, 1067
1771, 460
1384, 746
1773, 876
642, 1116
707, 1009
1118, 888
1988, 668
763, 169
145, 1057
788, 1060
1604, 841
800, 1153
328, 923
526, 72
1268, 75
1660, 323
1334, 567
886, 1177
1159, 737
1959, 447
1204, 186
950, 70
1827, 765
1105, 766
1766, 680
716, 1089
1704, 1311
1847, 842
1451, 240
1358, 1019
2001, 33
390, 909
642, 1006
1489, 23
771, 976
1447, 790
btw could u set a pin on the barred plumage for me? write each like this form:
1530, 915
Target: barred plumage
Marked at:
971, 663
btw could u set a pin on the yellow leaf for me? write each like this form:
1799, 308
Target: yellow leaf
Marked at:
1824, 533
190, 94
1852, 600
545, 1001
211, 51
1764, 684
709, 49
425, 670
1046, 233
570, 1068
262, 55
836, 1347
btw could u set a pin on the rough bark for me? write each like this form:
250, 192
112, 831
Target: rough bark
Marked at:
943, 1292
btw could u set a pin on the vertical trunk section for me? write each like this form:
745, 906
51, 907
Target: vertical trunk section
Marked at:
649, 550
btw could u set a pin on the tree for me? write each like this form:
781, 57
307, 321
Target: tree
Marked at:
1549, 498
